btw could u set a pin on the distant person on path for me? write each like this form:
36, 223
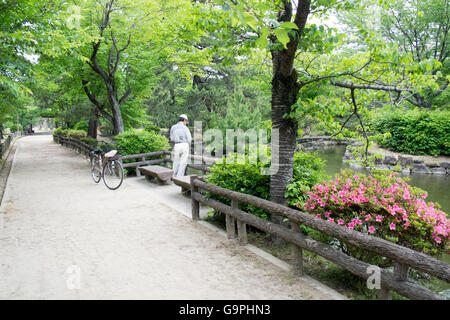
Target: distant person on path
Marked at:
181, 136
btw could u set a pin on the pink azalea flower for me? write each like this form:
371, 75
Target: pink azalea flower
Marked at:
340, 222
368, 217
379, 218
371, 229
392, 226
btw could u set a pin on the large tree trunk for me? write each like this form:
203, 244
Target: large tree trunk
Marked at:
93, 123
284, 95
284, 91
117, 116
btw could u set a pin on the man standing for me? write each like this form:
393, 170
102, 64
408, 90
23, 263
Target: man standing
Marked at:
181, 136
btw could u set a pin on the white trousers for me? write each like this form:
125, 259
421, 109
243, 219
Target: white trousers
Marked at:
180, 157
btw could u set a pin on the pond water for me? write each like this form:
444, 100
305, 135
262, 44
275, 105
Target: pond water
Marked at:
437, 186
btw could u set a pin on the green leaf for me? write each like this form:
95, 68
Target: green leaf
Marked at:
289, 25
282, 36
250, 21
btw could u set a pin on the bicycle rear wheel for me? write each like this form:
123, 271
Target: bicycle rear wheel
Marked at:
95, 169
113, 174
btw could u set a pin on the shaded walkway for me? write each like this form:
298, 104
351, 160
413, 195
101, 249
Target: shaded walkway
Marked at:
64, 237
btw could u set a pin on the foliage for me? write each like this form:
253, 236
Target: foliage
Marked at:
13, 127
135, 141
90, 141
151, 127
58, 131
244, 177
382, 205
61, 131
81, 125
25, 30
247, 177
76, 134
308, 171
414, 131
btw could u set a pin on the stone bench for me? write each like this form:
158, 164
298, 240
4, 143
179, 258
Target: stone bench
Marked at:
184, 182
162, 174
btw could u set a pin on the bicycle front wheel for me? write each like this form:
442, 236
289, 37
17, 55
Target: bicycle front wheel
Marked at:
113, 174
95, 169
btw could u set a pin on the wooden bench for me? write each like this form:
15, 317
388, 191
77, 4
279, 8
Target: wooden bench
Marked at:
184, 182
162, 174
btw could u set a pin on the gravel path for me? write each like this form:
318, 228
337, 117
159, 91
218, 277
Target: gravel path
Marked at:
64, 237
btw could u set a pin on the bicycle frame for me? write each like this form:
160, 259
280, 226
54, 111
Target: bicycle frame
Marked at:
101, 160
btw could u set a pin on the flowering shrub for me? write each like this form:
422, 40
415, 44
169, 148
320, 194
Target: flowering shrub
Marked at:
381, 205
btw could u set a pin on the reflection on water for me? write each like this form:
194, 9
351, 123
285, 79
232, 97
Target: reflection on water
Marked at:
437, 186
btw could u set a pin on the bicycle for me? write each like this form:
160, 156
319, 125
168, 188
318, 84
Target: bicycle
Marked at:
103, 165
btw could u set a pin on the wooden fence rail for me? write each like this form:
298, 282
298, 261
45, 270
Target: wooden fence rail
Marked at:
390, 280
74, 144
4, 146
85, 149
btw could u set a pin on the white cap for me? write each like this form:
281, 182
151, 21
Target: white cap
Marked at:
184, 116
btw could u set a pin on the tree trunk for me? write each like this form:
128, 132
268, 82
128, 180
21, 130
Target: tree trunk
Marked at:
283, 89
93, 123
117, 117
284, 95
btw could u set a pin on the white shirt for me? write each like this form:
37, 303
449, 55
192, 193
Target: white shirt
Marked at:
180, 133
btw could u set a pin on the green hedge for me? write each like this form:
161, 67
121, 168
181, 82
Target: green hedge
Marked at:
135, 141
414, 131
76, 134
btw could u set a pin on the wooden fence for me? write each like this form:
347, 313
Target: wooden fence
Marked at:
236, 219
74, 144
403, 258
142, 158
4, 146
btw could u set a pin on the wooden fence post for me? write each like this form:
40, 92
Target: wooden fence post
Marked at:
195, 205
241, 226
384, 294
297, 252
166, 164
400, 274
231, 226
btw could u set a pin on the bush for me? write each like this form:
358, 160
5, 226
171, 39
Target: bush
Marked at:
90, 141
382, 205
81, 125
308, 171
57, 131
76, 134
241, 177
151, 127
415, 131
13, 127
247, 178
63, 132
134, 142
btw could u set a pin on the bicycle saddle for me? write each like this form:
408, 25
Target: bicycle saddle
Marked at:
111, 154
